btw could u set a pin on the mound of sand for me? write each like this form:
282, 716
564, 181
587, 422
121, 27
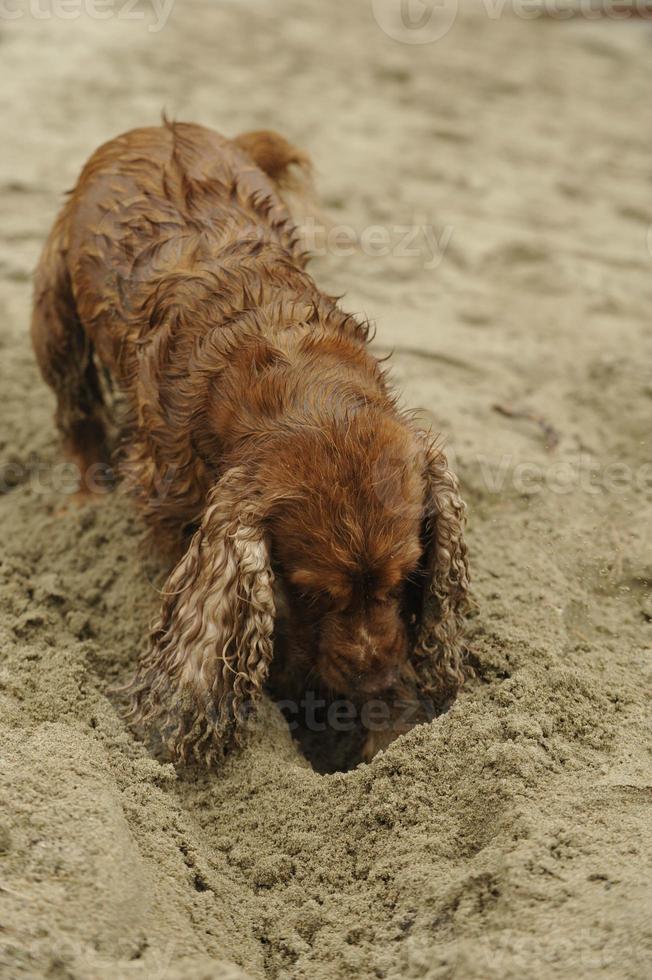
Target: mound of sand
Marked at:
511, 837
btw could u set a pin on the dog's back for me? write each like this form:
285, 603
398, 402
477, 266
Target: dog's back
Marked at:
165, 202
174, 260
161, 219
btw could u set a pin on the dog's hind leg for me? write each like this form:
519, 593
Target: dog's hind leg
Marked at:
65, 356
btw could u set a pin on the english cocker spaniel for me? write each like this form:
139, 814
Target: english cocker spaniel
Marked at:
318, 530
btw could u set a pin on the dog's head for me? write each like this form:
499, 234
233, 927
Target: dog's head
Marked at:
345, 543
338, 538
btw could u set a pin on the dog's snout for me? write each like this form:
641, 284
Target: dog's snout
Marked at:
376, 681
374, 664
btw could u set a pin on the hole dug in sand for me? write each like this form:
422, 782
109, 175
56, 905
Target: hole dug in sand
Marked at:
330, 747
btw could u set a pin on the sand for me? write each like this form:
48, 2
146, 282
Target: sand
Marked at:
511, 837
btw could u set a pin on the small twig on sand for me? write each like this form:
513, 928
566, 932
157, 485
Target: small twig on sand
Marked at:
617, 546
551, 434
12, 892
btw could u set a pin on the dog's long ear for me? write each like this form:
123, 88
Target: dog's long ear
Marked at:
438, 651
211, 647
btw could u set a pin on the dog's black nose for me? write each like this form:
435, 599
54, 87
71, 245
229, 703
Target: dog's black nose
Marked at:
377, 681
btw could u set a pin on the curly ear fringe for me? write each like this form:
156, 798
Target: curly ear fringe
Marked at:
211, 648
438, 656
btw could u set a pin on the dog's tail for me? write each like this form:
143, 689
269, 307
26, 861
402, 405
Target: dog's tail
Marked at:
289, 167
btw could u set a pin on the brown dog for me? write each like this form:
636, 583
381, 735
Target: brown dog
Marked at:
325, 528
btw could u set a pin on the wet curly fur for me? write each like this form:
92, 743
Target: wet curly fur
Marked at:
318, 531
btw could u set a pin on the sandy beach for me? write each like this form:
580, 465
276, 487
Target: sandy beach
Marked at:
506, 162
